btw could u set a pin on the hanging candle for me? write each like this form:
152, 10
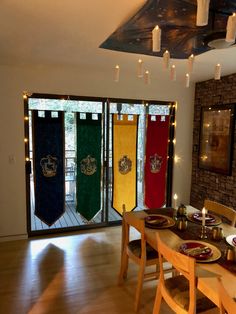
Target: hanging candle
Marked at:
173, 73
217, 72
231, 29
202, 12
117, 73
147, 77
140, 68
187, 80
190, 63
166, 59
156, 39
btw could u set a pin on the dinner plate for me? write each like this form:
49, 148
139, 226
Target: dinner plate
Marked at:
211, 219
212, 253
231, 239
208, 217
197, 250
157, 221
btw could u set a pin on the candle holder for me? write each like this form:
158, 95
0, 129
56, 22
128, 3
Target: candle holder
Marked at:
203, 234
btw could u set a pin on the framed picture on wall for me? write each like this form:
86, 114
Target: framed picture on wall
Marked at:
216, 138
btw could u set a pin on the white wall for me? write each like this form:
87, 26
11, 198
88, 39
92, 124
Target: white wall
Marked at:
80, 82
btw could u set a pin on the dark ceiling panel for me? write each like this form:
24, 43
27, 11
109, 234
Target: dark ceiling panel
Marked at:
177, 20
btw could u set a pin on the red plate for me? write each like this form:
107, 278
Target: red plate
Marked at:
208, 218
196, 250
155, 220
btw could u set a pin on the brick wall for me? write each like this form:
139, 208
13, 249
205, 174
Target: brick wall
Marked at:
206, 184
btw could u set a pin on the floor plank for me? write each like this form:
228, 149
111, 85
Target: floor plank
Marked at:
69, 274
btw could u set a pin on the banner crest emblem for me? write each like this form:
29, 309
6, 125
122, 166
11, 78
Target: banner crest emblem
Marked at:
88, 166
125, 165
49, 166
155, 163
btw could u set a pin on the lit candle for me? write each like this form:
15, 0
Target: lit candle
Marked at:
173, 73
217, 72
117, 73
187, 80
175, 200
156, 39
146, 77
190, 63
203, 217
166, 59
140, 68
231, 29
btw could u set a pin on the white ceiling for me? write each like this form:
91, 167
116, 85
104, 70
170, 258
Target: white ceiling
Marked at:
69, 32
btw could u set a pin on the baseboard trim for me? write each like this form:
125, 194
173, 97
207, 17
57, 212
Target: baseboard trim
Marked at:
13, 237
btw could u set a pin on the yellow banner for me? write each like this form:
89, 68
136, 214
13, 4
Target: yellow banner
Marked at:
124, 162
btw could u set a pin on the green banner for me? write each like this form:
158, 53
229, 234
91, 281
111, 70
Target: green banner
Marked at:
88, 165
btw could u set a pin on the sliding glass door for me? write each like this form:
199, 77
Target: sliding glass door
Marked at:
86, 159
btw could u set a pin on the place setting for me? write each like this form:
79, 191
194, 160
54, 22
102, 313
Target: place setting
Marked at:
202, 251
205, 218
231, 239
155, 221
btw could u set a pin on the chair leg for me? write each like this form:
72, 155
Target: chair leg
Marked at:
139, 287
123, 268
157, 270
157, 303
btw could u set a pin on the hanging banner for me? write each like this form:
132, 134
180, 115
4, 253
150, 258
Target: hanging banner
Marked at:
124, 162
89, 165
157, 135
48, 141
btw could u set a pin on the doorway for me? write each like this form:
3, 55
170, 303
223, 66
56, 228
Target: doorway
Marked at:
74, 109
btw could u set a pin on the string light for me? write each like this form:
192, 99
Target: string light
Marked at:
27, 159
176, 159
26, 118
26, 140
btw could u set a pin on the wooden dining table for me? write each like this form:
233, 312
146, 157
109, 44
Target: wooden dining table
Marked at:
207, 273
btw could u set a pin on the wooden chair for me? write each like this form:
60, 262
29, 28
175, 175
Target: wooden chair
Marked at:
222, 210
179, 292
227, 304
138, 251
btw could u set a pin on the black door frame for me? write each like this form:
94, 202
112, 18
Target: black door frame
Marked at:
106, 110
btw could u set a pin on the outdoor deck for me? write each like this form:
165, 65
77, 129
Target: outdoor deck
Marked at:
71, 218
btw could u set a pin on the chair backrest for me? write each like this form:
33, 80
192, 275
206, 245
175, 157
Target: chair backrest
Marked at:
222, 210
184, 265
227, 304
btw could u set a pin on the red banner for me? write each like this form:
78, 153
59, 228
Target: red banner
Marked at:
157, 135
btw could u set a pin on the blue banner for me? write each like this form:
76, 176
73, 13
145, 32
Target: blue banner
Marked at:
48, 142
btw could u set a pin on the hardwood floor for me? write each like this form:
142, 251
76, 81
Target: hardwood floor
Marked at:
69, 274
